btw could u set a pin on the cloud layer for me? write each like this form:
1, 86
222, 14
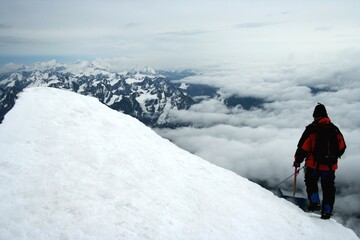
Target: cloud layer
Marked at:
260, 143
186, 33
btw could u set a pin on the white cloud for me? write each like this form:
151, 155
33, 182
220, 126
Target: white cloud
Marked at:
10, 67
163, 33
260, 143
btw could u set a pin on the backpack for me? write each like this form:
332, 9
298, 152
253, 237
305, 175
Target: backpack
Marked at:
326, 150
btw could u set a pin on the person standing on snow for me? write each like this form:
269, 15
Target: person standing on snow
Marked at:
315, 148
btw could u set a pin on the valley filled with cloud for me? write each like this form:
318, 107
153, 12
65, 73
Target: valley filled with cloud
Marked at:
259, 143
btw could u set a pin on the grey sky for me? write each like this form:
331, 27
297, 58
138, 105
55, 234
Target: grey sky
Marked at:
161, 33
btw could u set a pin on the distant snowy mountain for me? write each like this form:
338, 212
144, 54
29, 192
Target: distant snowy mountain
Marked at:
71, 168
143, 94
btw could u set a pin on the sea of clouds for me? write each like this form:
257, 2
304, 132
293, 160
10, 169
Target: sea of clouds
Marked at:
260, 143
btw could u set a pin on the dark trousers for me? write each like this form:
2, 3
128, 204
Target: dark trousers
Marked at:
327, 178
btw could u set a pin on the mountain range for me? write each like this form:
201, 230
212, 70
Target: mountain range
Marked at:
144, 94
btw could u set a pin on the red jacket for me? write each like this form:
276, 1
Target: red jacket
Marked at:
307, 143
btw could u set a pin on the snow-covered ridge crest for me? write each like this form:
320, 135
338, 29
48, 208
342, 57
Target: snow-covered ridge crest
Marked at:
71, 168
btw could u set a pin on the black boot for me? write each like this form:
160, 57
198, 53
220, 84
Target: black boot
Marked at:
314, 206
325, 215
326, 211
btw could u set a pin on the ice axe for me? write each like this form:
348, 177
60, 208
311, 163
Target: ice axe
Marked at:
296, 172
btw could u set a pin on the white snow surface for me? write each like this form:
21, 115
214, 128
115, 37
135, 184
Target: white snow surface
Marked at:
71, 168
184, 86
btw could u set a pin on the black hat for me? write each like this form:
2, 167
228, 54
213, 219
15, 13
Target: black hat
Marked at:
320, 111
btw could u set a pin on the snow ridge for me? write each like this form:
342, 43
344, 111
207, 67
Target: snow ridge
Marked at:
71, 168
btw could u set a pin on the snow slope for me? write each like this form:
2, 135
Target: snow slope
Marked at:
71, 168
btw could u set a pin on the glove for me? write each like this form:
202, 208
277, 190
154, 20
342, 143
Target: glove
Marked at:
296, 164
